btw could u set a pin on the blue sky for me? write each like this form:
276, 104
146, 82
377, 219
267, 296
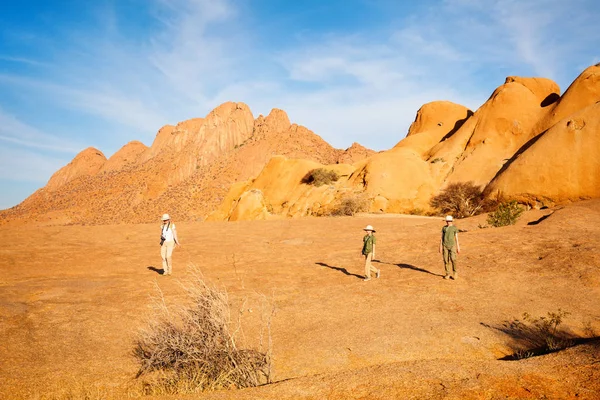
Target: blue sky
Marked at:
75, 74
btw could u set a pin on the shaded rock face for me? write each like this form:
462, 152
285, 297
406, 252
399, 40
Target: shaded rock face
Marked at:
583, 92
562, 164
504, 123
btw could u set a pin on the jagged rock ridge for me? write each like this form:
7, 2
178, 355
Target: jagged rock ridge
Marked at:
187, 171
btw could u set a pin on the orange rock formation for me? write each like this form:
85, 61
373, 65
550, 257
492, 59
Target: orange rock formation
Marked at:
187, 171
448, 143
526, 142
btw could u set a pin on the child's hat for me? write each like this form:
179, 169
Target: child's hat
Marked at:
368, 228
449, 218
165, 217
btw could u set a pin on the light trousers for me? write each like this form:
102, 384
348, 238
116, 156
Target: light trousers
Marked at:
368, 266
166, 251
450, 258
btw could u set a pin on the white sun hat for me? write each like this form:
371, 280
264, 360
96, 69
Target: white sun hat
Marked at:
368, 228
165, 217
449, 218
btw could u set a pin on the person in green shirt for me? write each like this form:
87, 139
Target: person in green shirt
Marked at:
368, 251
449, 247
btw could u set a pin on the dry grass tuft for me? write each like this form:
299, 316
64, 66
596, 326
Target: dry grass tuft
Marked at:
320, 177
191, 348
350, 205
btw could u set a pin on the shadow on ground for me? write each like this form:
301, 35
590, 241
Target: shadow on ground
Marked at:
409, 266
539, 338
159, 271
342, 270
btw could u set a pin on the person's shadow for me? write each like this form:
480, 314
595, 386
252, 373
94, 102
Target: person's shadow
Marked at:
157, 270
342, 270
409, 266
412, 267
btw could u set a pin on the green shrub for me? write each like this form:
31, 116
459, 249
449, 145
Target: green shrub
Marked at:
350, 205
461, 200
320, 176
505, 214
539, 335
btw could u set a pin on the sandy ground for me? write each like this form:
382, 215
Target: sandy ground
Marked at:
73, 297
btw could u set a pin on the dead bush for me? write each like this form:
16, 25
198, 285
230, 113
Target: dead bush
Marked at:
191, 348
350, 205
320, 177
462, 199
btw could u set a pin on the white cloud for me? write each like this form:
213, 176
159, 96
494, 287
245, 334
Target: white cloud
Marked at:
14, 131
22, 60
365, 86
27, 165
193, 53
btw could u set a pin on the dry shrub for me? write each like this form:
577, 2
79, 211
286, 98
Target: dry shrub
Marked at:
320, 177
417, 211
350, 205
191, 348
505, 214
462, 199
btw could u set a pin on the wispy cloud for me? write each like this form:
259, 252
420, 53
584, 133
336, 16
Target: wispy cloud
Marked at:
22, 60
539, 37
27, 165
365, 86
14, 131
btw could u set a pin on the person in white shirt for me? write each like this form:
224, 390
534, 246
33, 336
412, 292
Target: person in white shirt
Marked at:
168, 240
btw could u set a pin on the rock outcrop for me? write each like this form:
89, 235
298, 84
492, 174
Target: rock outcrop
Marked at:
187, 171
87, 163
447, 143
127, 157
526, 142
504, 123
562, 165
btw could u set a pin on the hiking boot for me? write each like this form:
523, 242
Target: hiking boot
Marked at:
455, 276
367, 279
446, 276
378, 274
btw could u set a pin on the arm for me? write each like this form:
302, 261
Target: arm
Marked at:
457, 245
175, 236
441, 242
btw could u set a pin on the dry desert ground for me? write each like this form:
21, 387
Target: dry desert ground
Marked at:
73, 297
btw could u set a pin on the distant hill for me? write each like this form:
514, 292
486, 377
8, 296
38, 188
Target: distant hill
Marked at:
187, 171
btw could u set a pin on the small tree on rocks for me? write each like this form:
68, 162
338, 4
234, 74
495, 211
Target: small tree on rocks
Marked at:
506, 214
462, 199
